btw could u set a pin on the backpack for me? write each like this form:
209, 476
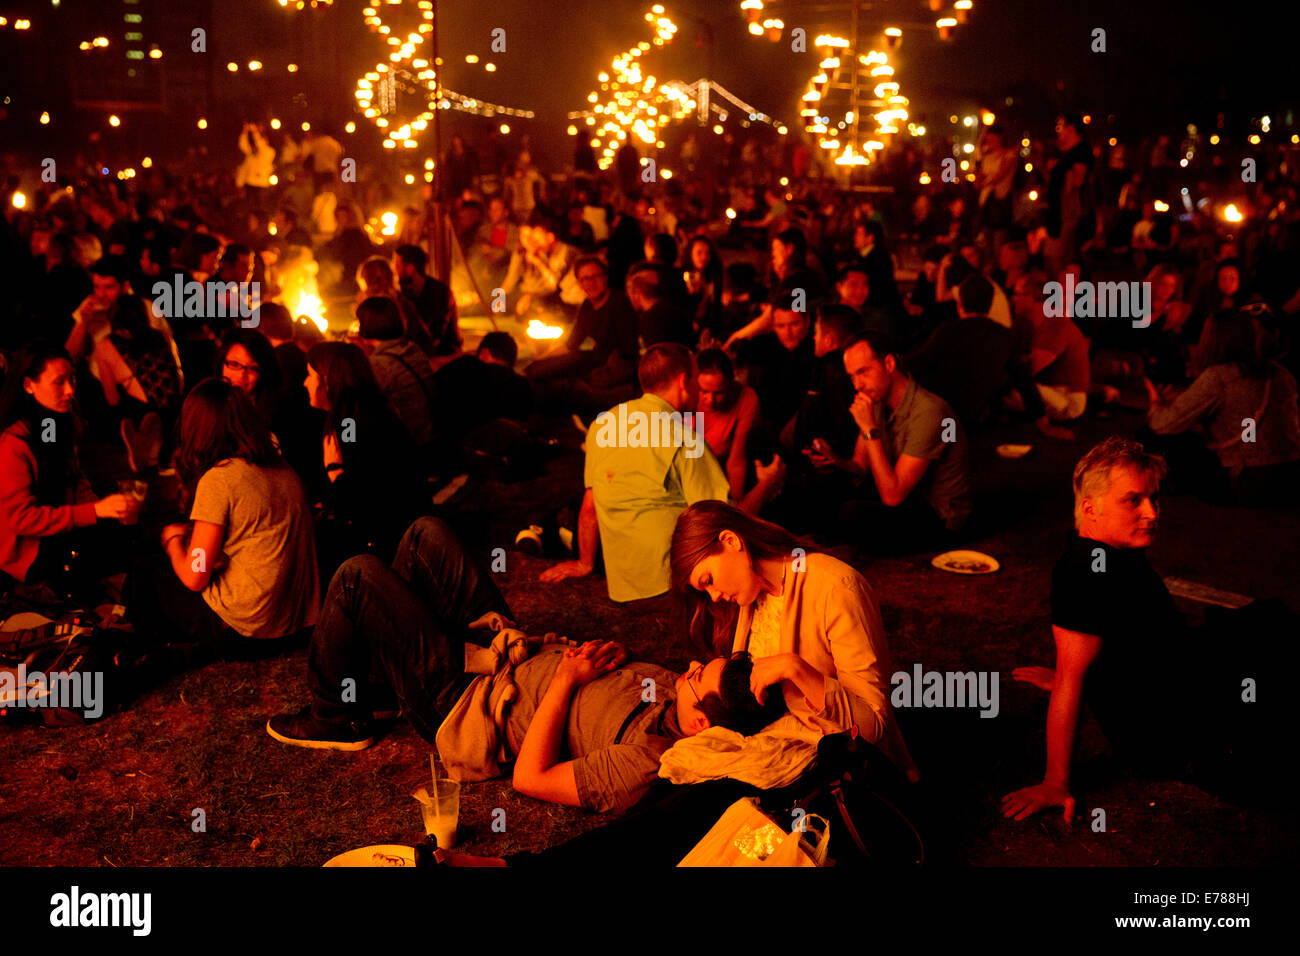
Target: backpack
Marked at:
869, 802
65, 670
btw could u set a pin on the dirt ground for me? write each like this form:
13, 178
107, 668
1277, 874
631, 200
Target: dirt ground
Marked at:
123, 791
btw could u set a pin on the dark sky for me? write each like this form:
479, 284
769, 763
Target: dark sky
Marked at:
1162, 57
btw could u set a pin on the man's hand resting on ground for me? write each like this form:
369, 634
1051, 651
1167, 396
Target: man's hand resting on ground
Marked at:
1024, 803
565, 569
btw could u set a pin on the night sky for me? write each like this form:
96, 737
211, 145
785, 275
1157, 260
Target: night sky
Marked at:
1167, 63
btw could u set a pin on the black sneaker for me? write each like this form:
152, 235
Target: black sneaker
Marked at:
304, 730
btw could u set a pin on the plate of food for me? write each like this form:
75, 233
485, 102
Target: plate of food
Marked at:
1014, 451
384, 854
966, 562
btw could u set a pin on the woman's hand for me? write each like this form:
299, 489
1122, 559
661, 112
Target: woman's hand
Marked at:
115, 506
768, 671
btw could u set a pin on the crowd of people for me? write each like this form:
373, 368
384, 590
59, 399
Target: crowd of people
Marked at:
831, 353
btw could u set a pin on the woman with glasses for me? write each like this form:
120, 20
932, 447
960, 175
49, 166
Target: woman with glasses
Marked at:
810, 621
247, 361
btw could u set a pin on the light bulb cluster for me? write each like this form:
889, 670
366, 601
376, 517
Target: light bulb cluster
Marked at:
408, 71
630, 103
846, 139
301, 4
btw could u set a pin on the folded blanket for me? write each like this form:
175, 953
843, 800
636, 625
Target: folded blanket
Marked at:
472, 741
776, 757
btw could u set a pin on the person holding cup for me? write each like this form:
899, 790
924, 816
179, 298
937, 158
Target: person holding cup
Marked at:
46, 504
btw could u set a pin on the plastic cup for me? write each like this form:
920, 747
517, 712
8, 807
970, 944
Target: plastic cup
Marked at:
136, 491
442, 813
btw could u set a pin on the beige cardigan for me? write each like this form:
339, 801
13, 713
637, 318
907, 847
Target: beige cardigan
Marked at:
832, 621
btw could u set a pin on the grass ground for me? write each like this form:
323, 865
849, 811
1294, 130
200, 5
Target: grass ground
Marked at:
123, 791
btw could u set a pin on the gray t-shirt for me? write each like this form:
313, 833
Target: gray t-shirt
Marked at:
917, 427
614, 735
271, 588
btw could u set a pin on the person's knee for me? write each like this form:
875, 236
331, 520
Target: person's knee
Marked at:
429, 537
353, 575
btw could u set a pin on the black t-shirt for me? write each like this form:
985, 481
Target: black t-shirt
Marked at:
613, 326
1140, 684
780, 376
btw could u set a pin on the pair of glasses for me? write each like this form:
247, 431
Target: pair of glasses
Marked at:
694, 675
233, 366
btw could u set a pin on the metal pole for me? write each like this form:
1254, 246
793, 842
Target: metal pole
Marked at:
441, 252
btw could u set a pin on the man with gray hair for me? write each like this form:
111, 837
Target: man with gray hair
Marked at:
1168, 699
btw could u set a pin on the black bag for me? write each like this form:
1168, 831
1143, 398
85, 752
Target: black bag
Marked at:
66, 670
868, 801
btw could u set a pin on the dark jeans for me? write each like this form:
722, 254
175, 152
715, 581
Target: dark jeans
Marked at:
577, 381
403, 626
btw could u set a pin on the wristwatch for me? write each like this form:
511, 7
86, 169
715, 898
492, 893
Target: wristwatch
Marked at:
873, 433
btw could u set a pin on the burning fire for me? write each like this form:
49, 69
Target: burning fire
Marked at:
537, 329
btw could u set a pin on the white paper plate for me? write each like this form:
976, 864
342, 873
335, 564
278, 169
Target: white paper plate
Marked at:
383, 854
966, 562
1014, 451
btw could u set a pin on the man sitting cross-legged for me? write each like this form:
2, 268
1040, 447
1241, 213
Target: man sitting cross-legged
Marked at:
586, 727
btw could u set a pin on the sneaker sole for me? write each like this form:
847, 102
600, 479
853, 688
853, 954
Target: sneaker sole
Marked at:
321, 744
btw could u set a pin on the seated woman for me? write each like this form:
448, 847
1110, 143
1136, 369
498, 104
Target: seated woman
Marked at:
703, 275
807, 619
730, 410
376, 488
46, 504
1246, 406
247, 361
244, 566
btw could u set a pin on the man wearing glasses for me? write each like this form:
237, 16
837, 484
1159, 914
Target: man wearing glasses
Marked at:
583, 726
599, 377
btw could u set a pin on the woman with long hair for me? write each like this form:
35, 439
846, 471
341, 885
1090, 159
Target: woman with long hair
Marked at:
810, 621
1246, 407
703, 274
45, 501
245, 562
375, 487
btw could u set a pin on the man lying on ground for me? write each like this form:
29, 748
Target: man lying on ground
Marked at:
404, 626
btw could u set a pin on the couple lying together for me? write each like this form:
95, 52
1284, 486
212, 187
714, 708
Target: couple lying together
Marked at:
798, 642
